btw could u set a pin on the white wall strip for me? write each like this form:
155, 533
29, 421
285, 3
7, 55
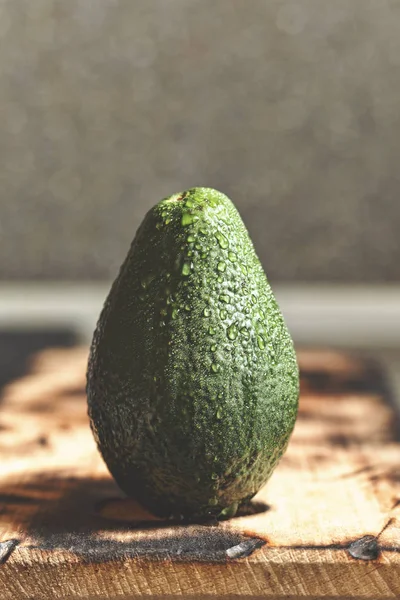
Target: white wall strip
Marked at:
334, 315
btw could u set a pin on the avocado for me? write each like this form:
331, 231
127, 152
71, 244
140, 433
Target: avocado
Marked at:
192, 378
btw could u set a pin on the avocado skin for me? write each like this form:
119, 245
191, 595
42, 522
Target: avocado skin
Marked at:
192, 379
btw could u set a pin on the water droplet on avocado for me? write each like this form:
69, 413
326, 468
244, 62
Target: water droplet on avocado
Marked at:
213, 502
223, 314
190, 253
187, 308
215, 367
206, 312
174, 313
229, 511
211, 331
214, 476
243, 269
190, 238
164, 213
221, 266
186, 269
232, 331
213, 348
245, 332
203, 231
260, 342
219, 413
167, 220
145, 282
224, 298
187, 219
232, 256
197, 246
222, 241
189, 203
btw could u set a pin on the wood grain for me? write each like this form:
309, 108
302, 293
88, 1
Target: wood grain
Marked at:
68, 532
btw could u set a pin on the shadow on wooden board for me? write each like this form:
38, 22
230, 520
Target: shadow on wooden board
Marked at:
17, 347
87, 506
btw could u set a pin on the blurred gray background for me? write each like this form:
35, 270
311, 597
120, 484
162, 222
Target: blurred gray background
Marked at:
292, 108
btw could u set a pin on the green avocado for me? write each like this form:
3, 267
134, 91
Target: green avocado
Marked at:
192, 379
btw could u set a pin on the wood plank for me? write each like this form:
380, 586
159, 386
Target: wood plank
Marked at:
67, 531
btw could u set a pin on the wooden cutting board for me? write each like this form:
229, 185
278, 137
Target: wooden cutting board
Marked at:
327, 525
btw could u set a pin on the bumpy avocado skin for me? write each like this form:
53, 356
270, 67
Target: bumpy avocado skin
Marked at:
192, 379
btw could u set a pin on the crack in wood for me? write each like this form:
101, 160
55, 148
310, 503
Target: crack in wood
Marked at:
365, 548
212, 545
6, 549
